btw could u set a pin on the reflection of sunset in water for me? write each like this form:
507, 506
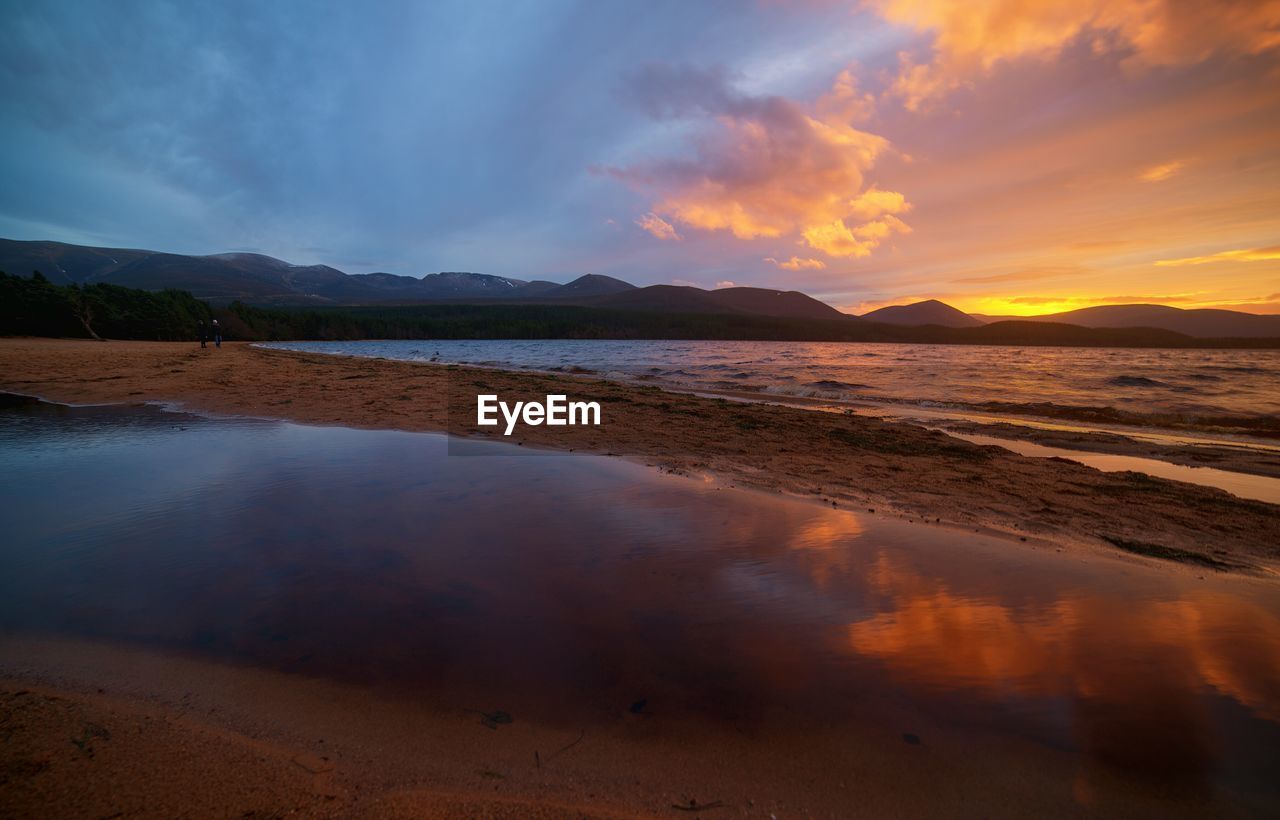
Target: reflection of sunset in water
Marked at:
823, 541
1077, 645
1234, 645
594, 583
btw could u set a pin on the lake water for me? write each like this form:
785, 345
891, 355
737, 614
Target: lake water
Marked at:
563, 583
1185, 388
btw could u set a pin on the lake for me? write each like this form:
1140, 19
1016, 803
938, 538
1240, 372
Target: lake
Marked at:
1149, 387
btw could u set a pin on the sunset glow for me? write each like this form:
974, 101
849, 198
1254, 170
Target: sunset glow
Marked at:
1006, 157
1053, 155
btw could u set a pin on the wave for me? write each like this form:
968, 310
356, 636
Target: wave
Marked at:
1238, 368
1134, 381
1266, 426
832, 384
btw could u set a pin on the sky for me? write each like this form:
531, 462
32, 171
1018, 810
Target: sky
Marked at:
1010, 157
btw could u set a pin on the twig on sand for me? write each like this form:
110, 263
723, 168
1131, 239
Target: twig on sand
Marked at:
492, 719
694, 805
565, 748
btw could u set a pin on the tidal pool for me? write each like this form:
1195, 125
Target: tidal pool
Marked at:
564, 583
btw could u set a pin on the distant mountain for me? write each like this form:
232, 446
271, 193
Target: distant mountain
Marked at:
264, 280
260, 279
745, 301
1204, 323
250, 276
592, 284
928, 312
466, 285
659, 298
538, 287
64, 264
767, 302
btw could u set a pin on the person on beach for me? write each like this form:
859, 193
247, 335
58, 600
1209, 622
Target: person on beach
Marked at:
217, 334
202, 333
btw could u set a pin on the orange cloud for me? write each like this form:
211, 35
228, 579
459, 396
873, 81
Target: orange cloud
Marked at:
1242, 255
769, 166
1159, 173
658, 226
797, 263
970, 38
838, 239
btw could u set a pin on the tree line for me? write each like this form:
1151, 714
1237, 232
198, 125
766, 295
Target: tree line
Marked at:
37, 307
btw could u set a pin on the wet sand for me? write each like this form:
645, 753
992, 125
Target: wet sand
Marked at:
851, 461
1241, 459
117, 731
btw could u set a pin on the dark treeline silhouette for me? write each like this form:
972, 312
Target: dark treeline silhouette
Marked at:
507, 321
36, 307
489, 321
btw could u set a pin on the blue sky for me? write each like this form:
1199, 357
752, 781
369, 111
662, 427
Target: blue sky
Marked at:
833, 147
410, 137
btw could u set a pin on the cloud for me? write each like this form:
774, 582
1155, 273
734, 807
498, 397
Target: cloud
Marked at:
1101, 300
838, 239
1024, 274
797, 263
969, 39
921, 83
1139, 300
1242, 255
1039, 300
658, 226
766, 166
1159, 173
725, 283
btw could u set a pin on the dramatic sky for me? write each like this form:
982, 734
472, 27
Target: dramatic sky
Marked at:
1007, 156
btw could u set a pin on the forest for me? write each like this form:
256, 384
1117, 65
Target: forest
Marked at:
36, 307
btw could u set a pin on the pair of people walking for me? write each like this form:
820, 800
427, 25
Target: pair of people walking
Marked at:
214, 330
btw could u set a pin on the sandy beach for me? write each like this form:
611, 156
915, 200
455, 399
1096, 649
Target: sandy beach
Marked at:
154, 735
848, 461
156, 727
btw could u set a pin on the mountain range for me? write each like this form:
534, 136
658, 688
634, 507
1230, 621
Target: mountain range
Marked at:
265, 280
928, 312
1203, 323
1197, 322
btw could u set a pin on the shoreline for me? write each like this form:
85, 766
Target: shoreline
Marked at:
848, 461
1226, 430
1239, 459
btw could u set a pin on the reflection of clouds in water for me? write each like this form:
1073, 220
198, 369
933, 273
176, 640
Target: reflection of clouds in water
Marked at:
1234, 645
1078, 645
826, 546
372, 556
946, 640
